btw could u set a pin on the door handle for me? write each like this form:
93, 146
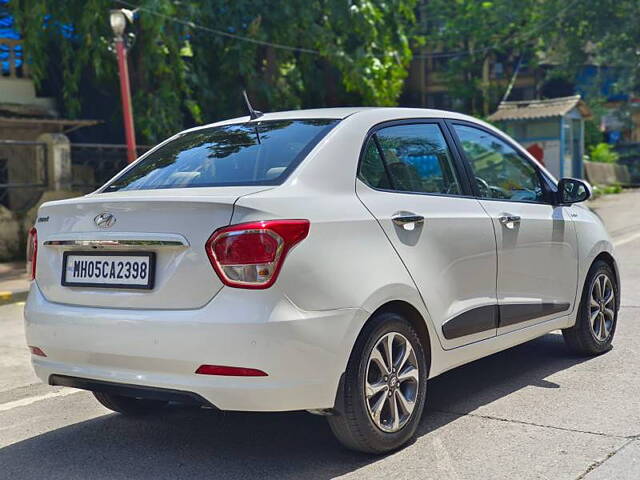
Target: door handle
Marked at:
408, 222
509, 220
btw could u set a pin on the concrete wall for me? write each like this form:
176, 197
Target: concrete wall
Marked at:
22, 165
14, 227
10, 235
607, 173
22, 91
26, 164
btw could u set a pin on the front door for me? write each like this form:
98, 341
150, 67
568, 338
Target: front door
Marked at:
536, 240
409, 180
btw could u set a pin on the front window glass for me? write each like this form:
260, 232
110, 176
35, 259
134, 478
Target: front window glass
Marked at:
500, 172
255, 153
417, 159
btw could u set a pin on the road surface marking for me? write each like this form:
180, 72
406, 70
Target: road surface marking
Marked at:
626, 240
23, 402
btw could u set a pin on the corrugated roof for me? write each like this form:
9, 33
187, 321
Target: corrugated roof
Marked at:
530, 109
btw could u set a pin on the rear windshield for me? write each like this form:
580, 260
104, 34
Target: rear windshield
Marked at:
256, 153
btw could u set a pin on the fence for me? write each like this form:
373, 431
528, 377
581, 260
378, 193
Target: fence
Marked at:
93, 164
23, 173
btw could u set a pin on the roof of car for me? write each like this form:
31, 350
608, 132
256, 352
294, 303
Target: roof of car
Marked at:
340, 113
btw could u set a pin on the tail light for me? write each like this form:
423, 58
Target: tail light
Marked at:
250, 255
32, 253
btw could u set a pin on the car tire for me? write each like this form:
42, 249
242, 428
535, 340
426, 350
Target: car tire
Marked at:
129, 405
353, 422
597, 317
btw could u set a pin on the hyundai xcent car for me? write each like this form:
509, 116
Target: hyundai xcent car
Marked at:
329, 260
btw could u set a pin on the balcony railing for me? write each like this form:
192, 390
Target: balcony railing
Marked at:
12, 63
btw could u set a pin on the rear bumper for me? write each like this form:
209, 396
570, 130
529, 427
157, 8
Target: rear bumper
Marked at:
303, 352
136, 391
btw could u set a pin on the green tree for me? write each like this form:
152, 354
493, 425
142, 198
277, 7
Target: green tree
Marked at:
603, 33
471, 33
565, 34
186, 67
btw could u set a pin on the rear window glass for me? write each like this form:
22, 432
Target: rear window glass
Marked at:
256, 153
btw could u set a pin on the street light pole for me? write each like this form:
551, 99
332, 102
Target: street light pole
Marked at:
118, 20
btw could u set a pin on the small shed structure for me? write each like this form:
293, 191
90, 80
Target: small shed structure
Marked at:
551, 130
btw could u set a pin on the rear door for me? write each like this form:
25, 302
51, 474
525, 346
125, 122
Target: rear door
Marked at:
411, 182
536, 240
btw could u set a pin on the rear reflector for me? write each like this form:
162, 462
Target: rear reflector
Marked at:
250, 255
229, 371
37, 351
32, 253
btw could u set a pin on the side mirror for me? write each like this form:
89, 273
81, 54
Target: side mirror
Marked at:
572, 190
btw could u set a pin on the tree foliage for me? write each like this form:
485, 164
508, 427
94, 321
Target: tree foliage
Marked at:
602, 33
606, 35
483, 32
184, 73
346, 52
564, 35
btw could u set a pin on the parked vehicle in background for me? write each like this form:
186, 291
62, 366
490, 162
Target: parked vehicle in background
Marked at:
328, 260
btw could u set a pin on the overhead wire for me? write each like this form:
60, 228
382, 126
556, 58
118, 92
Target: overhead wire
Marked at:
281, 46
195, 26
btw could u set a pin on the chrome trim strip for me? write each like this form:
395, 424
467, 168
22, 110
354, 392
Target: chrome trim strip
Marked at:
115, 243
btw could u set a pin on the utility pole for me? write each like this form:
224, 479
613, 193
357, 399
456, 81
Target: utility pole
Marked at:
423, 59
119, 20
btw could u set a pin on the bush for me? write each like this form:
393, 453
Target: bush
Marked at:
599, 190
603, 153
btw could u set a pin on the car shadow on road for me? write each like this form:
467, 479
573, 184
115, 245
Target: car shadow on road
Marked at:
192, 443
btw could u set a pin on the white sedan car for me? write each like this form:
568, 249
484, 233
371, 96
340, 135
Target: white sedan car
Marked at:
328, 260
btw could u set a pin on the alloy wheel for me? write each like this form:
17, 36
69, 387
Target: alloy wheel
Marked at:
602, 307
391, 384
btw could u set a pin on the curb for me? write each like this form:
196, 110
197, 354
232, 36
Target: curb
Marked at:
13, 297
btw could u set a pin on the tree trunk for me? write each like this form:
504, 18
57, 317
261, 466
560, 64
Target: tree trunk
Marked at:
485, 85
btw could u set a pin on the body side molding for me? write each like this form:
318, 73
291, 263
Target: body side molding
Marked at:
489, 317
511, 314
476, 320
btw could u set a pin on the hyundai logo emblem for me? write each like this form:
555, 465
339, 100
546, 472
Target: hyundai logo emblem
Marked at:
104, 220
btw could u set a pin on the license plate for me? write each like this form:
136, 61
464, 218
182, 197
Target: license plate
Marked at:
108, 270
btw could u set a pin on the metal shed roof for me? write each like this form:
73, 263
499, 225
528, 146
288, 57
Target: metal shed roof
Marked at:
530, 109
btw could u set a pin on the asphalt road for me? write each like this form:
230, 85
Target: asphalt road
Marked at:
533, 411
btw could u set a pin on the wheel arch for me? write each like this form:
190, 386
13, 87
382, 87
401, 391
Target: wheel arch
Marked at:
609, 260
414, 317
417, 320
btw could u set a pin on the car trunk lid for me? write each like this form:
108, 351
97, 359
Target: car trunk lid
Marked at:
173, 225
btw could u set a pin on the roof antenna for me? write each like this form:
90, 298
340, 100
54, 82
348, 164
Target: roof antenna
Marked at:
253, 114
